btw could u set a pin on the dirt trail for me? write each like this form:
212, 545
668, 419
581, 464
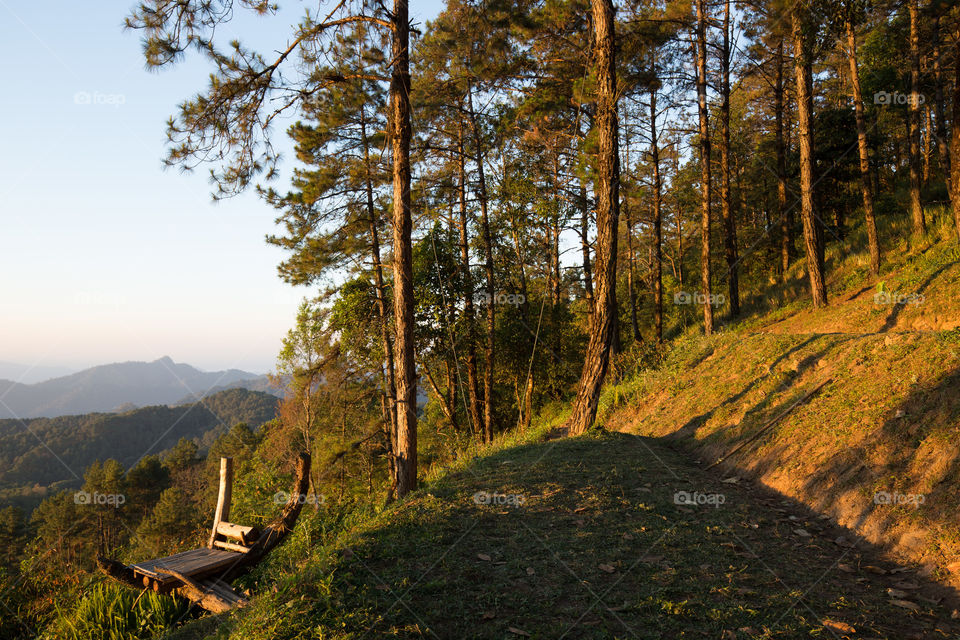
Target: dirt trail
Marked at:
619, 536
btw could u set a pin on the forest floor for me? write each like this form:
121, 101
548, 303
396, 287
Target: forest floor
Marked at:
594, 537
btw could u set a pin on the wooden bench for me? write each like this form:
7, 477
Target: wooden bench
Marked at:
202, 575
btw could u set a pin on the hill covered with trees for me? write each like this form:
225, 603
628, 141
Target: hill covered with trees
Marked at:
44, 454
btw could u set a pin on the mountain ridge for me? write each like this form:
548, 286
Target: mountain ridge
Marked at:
104, 388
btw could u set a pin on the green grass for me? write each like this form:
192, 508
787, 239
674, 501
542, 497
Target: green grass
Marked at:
598, 549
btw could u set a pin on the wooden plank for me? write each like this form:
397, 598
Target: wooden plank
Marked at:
197, 562
222, 513
246, 535
220, 544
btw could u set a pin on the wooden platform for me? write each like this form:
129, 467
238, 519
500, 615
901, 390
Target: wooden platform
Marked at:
196, 563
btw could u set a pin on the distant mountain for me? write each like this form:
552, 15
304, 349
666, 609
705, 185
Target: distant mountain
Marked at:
30, 374
40, 452
111, 386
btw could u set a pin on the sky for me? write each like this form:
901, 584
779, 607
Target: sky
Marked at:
106, 256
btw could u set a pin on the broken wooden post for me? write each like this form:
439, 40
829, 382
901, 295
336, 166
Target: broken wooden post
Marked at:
222, 514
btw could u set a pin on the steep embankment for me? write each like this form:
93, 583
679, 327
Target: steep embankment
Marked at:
876, 448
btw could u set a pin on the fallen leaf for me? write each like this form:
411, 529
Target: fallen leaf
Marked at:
836, 625
906, 584
530, 571
803, 533
519, 632
627, 536
896, 593
609, 568
483, 557
906, 604
877, 570
731, 480
845, 568
489, 615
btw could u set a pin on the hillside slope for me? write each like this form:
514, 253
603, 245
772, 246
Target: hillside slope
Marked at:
876, 448
41, 452
583, 538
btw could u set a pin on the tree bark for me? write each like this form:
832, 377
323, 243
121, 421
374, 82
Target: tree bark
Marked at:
871, 221
406, 378
726, 208
657, 220
488, 272
597, 358
786, 228
955, 142
585, 245
941, 127
473, 385
916, 207
386, 340
704, 132
812, 227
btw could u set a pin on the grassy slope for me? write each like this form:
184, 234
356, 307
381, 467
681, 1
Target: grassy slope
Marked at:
887, 422
599, 549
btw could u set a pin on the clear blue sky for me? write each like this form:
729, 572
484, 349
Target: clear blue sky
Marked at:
104, 255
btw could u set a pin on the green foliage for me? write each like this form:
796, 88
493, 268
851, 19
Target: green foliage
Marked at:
172, 524
182, 455
109, 612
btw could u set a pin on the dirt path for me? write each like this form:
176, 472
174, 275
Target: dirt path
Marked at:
615, 536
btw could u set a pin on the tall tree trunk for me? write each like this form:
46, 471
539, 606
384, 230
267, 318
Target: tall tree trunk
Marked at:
488, 272
628, 229
729, 220
812, 227
955, 141
927, 143
585, 231
704, 132
916, 207
597, 357
390, 384
403, 253
657, 220
871, 221
941, 128
585, 245
473, 386
785, 216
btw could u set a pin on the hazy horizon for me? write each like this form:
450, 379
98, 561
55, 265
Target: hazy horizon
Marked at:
106, 256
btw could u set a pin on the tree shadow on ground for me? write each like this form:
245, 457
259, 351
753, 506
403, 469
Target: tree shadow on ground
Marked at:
602, 536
